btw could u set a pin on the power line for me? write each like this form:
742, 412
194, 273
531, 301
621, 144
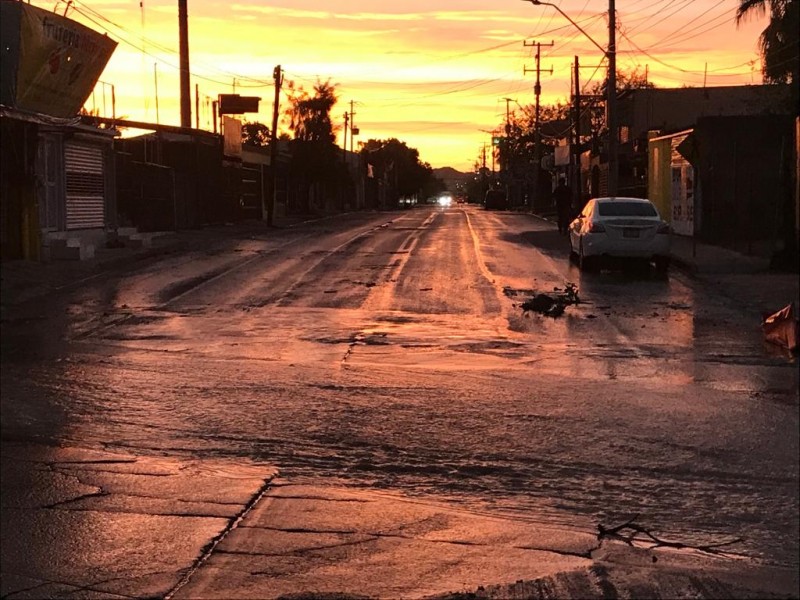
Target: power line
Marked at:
661, 16
93, 16
658, 60
688, 35
672, 34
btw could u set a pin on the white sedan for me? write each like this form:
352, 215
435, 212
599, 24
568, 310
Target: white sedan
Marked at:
628, 228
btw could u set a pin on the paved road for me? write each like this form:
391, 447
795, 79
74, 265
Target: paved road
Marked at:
430, 435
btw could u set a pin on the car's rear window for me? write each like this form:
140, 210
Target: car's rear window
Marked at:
620, 208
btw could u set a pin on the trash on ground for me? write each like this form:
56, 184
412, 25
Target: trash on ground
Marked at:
553, 305
781, 328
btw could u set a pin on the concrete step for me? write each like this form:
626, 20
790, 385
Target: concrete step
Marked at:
70, 248
131, 237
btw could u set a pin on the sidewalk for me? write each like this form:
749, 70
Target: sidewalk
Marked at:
22, 280
92, 523
744, 278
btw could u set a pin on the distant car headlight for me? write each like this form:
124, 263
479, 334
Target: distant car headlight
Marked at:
445, 201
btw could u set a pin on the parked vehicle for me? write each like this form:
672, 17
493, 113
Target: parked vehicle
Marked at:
406, 202
625, 228
495, 200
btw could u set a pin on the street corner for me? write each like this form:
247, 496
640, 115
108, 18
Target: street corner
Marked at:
79, 520
359, 542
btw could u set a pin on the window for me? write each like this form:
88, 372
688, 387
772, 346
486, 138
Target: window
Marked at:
626, 209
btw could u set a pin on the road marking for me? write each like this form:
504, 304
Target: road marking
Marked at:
476, 244
380, 296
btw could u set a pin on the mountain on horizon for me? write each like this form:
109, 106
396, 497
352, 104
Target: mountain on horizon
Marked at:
447, 173
454, 180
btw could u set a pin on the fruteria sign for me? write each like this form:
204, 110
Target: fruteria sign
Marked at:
58, 61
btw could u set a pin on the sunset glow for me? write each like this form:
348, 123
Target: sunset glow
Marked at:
433, 74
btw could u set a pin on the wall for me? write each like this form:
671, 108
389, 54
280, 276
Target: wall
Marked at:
743, 166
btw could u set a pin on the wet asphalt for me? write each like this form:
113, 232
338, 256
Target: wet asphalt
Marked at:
361, 406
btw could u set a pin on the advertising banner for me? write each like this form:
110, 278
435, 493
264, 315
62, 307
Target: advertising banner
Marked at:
232, 137
59, 62
682, 190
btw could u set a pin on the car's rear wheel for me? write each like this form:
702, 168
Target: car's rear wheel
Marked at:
585, 263
573, 256
662, 264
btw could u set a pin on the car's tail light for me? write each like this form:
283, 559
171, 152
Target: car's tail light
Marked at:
664, 228
596, 228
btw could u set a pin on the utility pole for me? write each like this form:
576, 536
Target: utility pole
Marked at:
507, 129
537, 147
611, 88
508, 116
611, 102
186, 95
576, 148
277, 75
352, 114
155, 77
344, 142
505, 169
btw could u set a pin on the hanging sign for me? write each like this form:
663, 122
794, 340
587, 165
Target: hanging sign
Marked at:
57, 60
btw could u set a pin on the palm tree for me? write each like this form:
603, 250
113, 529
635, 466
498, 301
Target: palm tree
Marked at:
778, 43
316, 161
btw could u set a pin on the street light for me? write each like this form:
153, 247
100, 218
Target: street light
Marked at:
611, 88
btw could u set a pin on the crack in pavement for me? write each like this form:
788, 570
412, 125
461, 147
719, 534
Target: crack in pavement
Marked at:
206, 552
109, 461
373, 535
301, 551
587, 554
323, 498
98, 494
46, 583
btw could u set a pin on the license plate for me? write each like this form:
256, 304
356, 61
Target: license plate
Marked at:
630, 232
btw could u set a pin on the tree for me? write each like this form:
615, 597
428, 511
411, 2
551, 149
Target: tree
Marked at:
310, 116
555, 120
401, 168
255, 134
778, 43
316, 160
517, 151
626, 82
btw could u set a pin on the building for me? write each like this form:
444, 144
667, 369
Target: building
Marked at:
729, 180
649, 112
56, 173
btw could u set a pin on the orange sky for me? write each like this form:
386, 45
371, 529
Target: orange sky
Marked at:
433, 74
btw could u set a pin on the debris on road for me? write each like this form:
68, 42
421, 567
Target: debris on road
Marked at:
781, 328
632, 533
553, 305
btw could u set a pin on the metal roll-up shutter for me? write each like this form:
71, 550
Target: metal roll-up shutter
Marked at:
85, 186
